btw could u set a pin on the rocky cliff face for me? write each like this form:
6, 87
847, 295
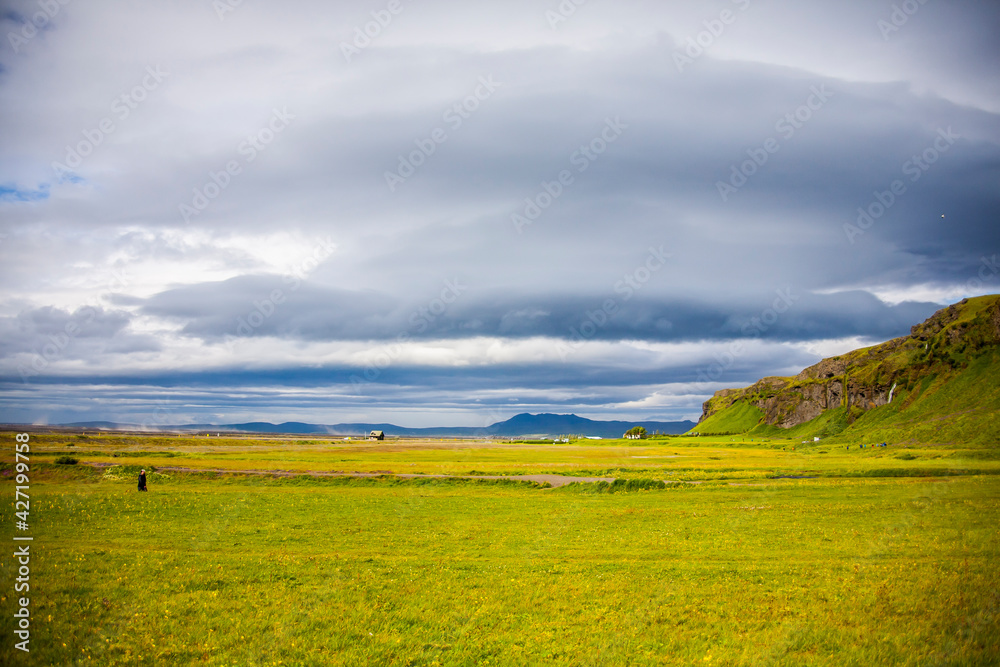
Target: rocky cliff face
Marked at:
865, 379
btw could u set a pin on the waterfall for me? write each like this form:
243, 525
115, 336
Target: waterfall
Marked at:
890, 393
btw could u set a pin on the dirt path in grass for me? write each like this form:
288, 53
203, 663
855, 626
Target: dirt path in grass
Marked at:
554, 480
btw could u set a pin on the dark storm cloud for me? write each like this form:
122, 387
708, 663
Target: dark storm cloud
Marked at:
685, 136
284, 308
494, 392
31, 329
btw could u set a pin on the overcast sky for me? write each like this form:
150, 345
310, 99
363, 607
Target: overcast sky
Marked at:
441, 213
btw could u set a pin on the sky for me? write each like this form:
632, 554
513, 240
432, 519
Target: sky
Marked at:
445, 214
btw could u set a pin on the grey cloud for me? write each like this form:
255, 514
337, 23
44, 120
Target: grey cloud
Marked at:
56, 333
477, 391
283, 307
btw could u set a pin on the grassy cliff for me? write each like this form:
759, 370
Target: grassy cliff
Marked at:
940, 384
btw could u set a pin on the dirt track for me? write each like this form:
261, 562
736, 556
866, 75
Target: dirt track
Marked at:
554, 480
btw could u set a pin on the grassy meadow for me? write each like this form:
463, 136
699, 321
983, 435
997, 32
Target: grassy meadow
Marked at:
753, 554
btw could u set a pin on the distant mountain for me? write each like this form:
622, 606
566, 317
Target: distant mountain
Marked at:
940, 384
298, 428
549, 424
522, 425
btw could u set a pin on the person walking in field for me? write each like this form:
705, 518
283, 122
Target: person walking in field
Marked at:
142, 480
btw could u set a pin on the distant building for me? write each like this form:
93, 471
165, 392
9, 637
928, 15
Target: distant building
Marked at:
376, 435
635, 433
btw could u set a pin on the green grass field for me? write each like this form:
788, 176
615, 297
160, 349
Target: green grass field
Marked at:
757, 555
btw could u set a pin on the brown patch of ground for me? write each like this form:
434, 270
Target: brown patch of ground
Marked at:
553, 480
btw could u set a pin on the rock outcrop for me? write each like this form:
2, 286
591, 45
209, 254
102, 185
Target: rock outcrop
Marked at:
866, 378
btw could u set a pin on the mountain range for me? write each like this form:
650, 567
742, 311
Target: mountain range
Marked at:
522, 425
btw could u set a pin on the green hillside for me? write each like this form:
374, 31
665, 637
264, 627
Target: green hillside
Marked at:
738, 417
961, 407
939, 385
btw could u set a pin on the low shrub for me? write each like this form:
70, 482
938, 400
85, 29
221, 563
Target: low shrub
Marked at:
626, 485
